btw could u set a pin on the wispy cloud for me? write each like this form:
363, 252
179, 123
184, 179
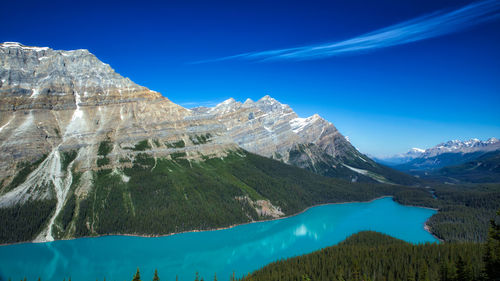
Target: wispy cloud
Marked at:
421, 28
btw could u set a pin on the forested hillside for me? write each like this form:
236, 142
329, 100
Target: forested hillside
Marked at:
374, 256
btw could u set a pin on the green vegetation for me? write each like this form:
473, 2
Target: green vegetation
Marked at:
492, 252
179, 195
333, 167
156, 142
464, 210
26, 169
200, 139
67, 157
483, 169
142, 146
67, 213
103, 161
177, 144
375, 256
24, 221
105, 148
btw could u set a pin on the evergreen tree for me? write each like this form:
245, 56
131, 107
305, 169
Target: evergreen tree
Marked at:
492, 252
137, 276
444, 272
215, 277
197, 276
411, 274
423, 272
462, 270
356, 276
156, 278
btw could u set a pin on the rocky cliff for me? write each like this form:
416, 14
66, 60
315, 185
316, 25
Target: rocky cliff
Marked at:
272, 129
57, 107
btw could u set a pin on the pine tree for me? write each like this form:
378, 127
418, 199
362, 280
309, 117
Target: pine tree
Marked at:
215, 277
197, 276
356, 276
423, 272
462, 270
492, 252
443, 272
156, 278
137, 276
411, 274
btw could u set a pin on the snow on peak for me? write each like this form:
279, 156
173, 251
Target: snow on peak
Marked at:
268, 99
492, 140
416, 149
19, 45
299, 124
226, 106
226, 102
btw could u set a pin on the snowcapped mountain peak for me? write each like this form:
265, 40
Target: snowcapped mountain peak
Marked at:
226, 102
226, 106
466, 146
417, 150
492, 140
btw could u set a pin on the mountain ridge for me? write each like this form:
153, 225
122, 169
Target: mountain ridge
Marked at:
448, 153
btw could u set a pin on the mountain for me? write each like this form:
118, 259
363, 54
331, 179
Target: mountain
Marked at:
85, 151
271, 129
400, 158
450, 153
483, 169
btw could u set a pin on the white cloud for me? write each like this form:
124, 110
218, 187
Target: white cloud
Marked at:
421, 28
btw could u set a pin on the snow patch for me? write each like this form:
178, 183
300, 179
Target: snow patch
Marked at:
8, 122
24, 126
359, 171
77, 123
299, 124
35, 93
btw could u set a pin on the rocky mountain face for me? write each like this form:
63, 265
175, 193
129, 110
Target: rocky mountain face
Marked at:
450, 153
57, 107
72, 130
271, 129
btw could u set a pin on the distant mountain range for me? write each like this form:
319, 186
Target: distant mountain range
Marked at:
453, 161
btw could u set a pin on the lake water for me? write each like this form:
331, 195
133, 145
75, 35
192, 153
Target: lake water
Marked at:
241, 249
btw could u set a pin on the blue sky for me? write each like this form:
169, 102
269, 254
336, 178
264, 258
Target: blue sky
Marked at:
387, 99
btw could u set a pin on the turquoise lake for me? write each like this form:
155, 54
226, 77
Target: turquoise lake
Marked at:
241, 249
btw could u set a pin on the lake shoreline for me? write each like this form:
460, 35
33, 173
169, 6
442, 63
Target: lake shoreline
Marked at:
426, 227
